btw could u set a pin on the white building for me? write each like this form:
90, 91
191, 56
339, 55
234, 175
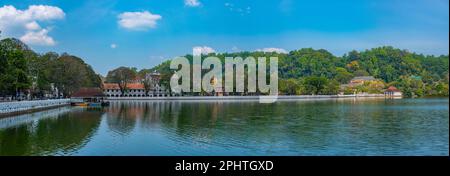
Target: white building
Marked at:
137, 88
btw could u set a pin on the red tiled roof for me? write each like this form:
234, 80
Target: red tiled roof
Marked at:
392, 89
110, 86
129, 86
135, 86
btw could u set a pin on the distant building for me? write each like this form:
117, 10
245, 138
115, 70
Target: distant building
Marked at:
136, 88
352, 86
138, 79
86, 94
393, 92
132, 90
361, 80
53, 93
154, 79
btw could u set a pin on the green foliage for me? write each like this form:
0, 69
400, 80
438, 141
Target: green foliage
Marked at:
303, 71
361, 73
389, 63
69, 73
308, 62
22, 70
290, 86
13, 67
121, 76
342, 75
315, 85
349, 91
385, 63
332, 88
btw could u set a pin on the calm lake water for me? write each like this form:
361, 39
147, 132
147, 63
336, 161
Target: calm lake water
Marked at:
304, 127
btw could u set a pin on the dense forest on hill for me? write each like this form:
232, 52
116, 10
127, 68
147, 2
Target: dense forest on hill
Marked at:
310, 71
303, 71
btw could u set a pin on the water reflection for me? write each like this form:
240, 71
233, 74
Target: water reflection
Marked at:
52, 134
322, 127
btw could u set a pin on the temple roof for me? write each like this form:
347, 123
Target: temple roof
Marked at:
365, 78
392, 89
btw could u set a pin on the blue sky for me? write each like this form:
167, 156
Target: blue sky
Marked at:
143, 33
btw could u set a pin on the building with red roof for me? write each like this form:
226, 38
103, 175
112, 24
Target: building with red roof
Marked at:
393, 92
135, 88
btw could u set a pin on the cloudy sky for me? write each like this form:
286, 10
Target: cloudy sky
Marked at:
142, 33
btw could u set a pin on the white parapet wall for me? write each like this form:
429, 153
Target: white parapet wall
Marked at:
18, 106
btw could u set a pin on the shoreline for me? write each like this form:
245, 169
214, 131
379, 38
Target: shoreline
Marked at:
22, 112
25, 107
27, 117
279, 97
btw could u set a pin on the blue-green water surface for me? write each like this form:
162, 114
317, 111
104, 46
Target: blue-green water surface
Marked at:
302, 127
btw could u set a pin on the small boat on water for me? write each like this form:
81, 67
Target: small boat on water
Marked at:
88, 97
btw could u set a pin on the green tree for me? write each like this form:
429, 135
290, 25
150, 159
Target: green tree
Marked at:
290, 86
314, 84
342, 75
386, 63
69, 73
13, 67
332, 88
121, 76
40, 70
361, 73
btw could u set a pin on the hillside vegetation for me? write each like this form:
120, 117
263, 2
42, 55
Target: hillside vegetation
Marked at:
303, 71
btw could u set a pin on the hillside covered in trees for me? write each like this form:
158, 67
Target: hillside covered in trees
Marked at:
310, 71
303, 71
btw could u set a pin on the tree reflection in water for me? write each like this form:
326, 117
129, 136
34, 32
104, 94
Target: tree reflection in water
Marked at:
59, 135
311, 127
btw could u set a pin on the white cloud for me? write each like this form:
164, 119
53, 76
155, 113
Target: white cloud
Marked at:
113, 46
192, 3
44, 12
269, 50
38, 38
25, 23
196, 51
138, 20
32, 26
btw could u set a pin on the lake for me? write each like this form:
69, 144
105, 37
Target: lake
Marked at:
364, 126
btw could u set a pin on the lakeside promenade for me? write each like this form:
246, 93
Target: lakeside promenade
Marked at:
8, 108
32, 117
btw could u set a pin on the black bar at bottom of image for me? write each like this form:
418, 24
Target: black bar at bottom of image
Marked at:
229, 165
